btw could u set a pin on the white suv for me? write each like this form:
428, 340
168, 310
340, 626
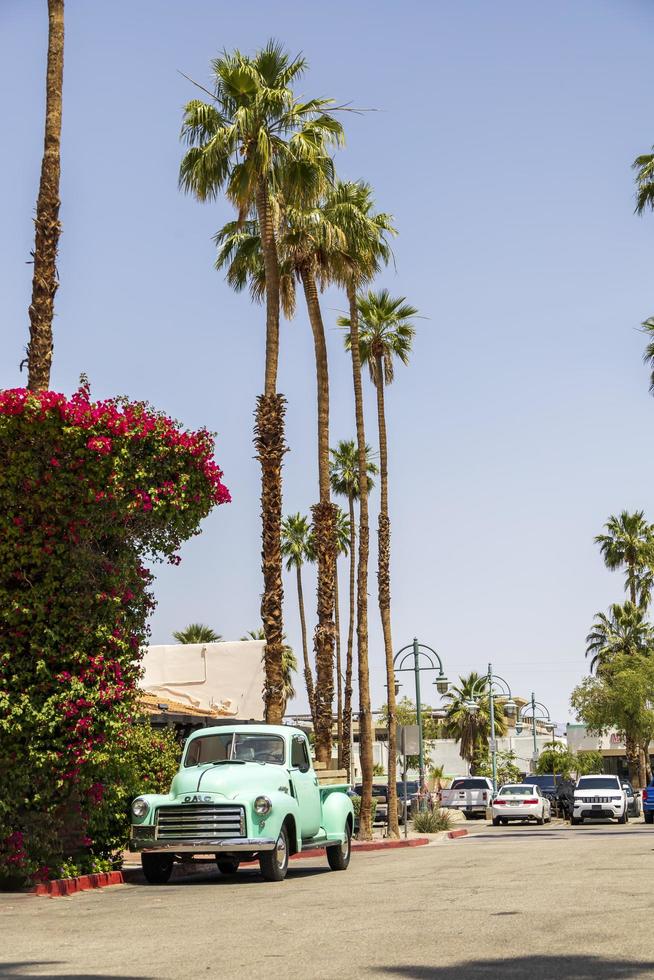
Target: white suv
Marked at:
599, 796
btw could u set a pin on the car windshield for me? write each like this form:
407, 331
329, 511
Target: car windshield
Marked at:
516, 791
243, 747
411, 788
598, 782
470, 784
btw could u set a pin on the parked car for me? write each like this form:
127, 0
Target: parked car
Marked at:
548, 783
520, 801
633, 799
599, 796
470, 794
243, 791
648, 803
412, 794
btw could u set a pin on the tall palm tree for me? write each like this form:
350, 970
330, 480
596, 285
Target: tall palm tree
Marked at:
364, 251
624, 630
297, 549
197, 633
344, 475
289, 664
343, 535
386, 333
472, 729
251, 132
629, 544
47, 227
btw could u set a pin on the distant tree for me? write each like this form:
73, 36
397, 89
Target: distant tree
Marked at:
557, 760
629, 544
472, 729
620, 697
588, 762
344, 477
197, 633
298, 548
624, 630
644, 167
507, 771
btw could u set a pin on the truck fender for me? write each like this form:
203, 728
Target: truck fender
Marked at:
336, 810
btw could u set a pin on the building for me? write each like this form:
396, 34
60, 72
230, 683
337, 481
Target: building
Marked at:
611, 746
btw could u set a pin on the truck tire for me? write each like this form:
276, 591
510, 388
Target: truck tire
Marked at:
274, 864
575, 821
157, 868
338, 857
649, 816
228, 865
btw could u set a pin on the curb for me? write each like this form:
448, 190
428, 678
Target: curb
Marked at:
69, 886
452, 834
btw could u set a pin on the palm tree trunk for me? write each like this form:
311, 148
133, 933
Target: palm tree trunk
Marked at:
269, 443
631, 579
339, 676
308, 676
365, 717
324, 531
384, 594
47, 226
347, 709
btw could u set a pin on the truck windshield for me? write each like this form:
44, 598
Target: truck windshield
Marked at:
254, 747
598, 782
470, 784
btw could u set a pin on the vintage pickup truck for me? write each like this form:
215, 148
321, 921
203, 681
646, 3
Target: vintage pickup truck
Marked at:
243, 792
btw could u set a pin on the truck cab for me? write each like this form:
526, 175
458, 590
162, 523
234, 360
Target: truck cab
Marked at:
243, 792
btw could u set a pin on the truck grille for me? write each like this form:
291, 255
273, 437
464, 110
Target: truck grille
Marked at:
206, 821
599, 799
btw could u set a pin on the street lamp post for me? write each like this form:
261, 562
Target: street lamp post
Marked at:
431, 661
530, 711
492, 683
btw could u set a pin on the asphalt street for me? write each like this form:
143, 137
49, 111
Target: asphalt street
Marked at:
510, 902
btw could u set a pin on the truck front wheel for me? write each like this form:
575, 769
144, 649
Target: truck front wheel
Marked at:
157, 868
338, 856
274, 864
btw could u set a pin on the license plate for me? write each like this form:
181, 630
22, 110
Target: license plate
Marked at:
597, 806
512, 803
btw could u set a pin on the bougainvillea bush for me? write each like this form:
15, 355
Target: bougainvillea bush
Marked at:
89, 492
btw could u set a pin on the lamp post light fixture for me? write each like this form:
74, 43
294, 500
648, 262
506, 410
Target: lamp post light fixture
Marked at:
430, 661
495, 686
530, 711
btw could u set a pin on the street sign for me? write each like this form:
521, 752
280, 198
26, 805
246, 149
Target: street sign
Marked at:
408, 739
492, 744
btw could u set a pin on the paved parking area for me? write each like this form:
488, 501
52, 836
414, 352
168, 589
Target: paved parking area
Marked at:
505, 902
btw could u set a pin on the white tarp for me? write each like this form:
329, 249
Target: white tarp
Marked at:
227, 677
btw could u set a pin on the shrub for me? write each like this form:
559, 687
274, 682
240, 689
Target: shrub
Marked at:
356, 806
431, 821
89, 491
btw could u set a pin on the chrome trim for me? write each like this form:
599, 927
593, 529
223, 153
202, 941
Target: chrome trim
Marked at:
204, 846
195, 820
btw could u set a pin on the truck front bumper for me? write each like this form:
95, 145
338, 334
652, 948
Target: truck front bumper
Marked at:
223, 845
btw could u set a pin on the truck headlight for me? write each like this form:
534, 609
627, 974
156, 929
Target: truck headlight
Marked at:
140, 808
262, 805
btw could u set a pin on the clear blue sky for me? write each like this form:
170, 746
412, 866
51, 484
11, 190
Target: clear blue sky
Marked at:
502, 144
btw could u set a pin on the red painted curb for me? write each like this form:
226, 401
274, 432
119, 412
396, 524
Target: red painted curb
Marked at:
457, 833
69, 886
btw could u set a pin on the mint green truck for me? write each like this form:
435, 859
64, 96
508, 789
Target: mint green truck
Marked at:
243, 792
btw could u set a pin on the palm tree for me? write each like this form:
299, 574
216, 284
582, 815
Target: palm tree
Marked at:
386, 333
289, 664
47, 227
364, 250
251, 132
343, 535
472, 729
644, 167
344, 475
197, 633
298, 548
623, 631
629, 544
